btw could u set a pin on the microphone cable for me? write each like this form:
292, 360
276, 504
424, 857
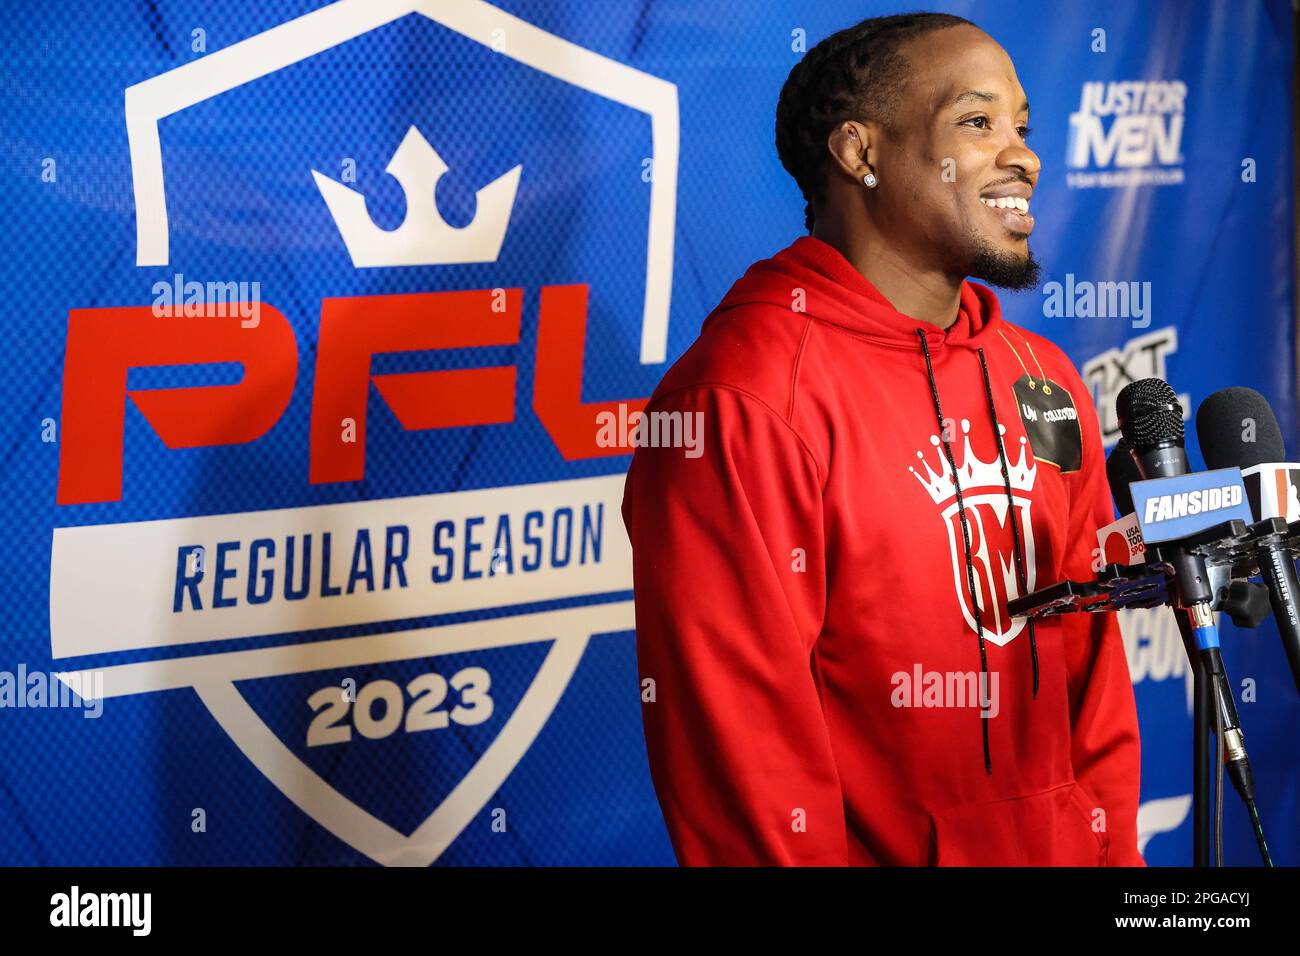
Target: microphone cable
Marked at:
1218, 787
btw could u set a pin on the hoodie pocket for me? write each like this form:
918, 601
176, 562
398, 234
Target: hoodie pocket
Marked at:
1051, 828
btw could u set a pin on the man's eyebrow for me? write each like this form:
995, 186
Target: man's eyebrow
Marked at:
983, 97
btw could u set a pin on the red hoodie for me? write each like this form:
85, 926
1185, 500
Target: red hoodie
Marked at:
803, 589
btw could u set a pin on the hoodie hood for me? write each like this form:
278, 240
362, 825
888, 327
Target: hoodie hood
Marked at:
834, 291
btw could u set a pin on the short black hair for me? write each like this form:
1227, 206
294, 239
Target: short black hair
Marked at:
858, 73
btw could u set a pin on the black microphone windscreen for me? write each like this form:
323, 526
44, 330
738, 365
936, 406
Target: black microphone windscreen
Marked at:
1120, 470
1149, 413
1237, 428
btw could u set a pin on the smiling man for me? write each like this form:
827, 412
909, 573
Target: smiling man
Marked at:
821, 595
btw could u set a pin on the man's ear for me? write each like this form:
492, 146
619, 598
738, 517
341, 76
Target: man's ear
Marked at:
852, 147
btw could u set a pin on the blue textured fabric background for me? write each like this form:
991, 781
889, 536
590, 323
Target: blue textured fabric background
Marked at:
1219, 253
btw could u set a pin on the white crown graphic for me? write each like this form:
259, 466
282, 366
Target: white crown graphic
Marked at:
424, 238
974, 472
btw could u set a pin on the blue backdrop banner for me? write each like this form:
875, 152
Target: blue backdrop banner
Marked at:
313, 556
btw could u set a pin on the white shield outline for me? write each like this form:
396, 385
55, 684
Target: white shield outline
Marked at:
146, 104
151, 100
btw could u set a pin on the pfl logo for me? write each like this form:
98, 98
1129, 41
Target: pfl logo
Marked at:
1133, 129
105, 343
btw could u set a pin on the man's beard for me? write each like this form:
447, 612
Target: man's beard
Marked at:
1006, 270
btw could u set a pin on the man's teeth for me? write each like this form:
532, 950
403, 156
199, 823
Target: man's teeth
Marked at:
1007, 202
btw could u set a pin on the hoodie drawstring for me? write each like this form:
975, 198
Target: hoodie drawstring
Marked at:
965, 527
965, 537
1011, 510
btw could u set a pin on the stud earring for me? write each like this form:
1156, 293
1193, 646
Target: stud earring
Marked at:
869, 180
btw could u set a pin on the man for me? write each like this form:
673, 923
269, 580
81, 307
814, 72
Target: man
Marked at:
821, 595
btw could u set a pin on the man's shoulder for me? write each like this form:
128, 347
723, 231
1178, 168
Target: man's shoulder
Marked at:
752, 349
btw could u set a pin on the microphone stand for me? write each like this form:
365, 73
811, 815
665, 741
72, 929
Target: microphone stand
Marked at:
1203, 698
1152, 584
1202, 701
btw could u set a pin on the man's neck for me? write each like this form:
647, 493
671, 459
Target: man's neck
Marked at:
926, 296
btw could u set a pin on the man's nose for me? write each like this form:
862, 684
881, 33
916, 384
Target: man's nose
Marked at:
1020, 157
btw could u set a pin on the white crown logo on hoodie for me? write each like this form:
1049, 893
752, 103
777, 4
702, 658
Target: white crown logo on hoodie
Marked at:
985, 499
973, 471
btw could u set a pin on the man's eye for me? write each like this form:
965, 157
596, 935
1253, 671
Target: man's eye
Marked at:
978, 119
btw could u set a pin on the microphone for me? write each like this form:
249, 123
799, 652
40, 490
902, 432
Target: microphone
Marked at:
1221, 424
1151, 421
1121, 469
1244, 601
